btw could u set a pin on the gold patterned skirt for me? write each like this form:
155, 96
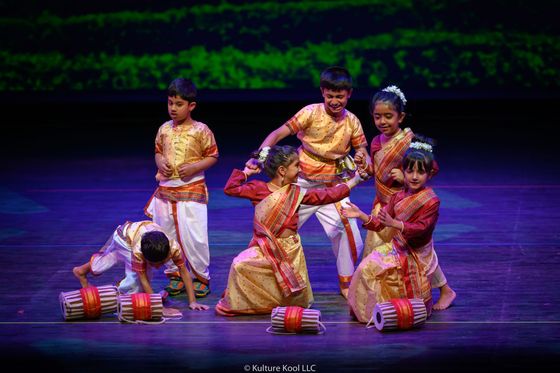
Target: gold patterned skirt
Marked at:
379, 278
375, 239
252, 287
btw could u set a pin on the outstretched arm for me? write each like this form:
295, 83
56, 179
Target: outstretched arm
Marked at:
145, 282
353, 211
275, 136
272, 139
193, 305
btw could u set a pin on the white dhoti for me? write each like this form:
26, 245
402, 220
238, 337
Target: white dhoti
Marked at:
344, 234
187, 222
116, 250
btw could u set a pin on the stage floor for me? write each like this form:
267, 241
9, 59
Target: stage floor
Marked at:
498, 241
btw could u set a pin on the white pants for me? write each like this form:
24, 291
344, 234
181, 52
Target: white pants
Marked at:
116, 250
332, 223
187, 223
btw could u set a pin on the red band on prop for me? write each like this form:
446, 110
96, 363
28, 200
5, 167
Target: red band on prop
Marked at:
91, 301
292, 319
141, 306
405, 313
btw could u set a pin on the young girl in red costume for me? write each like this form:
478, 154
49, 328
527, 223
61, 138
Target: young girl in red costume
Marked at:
406, 267
272, 272
387, 152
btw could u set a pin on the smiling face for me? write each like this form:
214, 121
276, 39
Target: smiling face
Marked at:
335, 101
386, 118
179, 109
415, 178
292, 171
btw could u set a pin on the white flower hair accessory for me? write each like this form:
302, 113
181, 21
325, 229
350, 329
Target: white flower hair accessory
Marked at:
394, 89
421, 146
263, 153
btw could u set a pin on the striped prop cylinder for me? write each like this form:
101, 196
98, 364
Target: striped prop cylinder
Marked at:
88, 303
294, 320
140, 308
399, 314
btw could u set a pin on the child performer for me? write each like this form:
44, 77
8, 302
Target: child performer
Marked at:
184, 148
406, 267
272, 271
141, 246
387, 152
327, 132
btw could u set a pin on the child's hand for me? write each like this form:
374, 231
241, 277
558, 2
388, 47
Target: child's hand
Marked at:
171, 312
252, 163
187, 169
351, 210
360, 160
357, 179
251, 171
363, 174
165, 167
397, 175
197, 306
387, 220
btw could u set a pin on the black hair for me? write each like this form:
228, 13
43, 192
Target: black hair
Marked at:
277, 156
154, 246
336, 78
387, 97
183, 88
422, 158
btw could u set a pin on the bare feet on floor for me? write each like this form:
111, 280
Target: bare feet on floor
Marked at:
446, 298
344, 293
81, 276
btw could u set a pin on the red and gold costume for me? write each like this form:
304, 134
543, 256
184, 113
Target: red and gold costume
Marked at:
124, 246
325, 142
272, 272
404, 267
179, 205
385, 157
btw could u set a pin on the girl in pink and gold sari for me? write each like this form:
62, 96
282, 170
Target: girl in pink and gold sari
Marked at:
387, 152
405, 267
272, 272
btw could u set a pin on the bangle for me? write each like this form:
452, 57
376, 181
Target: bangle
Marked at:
369, 220
402, 226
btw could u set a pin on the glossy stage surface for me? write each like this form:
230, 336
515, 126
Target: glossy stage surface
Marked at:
498, 241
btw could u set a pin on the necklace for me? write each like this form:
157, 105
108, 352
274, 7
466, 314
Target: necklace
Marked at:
273, 186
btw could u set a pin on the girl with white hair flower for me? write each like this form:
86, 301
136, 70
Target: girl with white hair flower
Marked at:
387, 150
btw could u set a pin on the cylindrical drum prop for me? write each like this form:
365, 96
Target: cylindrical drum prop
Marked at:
88, 303
399, 314
140, 308
294, 319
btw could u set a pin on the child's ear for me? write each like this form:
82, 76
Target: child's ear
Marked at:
192, 105
401, 117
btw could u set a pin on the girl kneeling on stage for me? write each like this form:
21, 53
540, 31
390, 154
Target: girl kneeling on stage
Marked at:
272, 271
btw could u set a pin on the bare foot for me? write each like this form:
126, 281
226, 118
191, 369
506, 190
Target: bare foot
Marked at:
446, 297
81, 276
344, 293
